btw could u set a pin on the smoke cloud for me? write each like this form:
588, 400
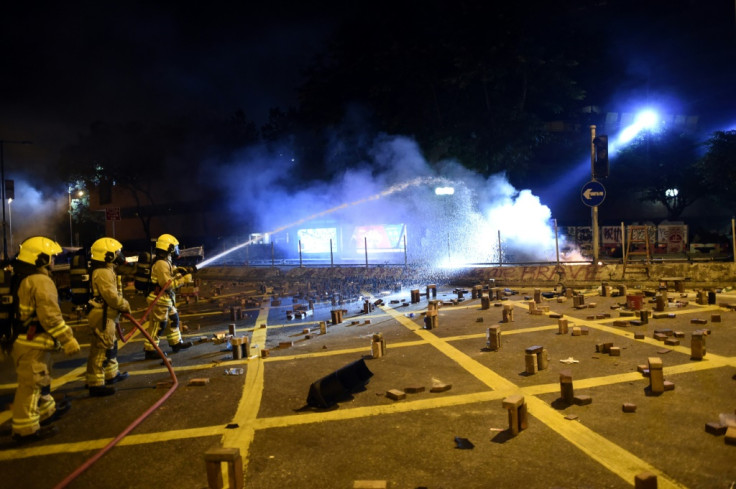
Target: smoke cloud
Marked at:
392, 184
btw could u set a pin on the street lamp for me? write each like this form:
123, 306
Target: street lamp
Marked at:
2, 189
10, 222
80, 193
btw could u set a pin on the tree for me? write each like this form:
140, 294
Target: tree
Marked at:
660, 167
473, 81
154, 163
718, 167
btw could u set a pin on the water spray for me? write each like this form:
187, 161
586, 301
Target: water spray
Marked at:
391, 190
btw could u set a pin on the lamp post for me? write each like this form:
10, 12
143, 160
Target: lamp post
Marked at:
10, 222
80, 193
2, 189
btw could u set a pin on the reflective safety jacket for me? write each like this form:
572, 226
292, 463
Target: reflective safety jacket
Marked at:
105, 292
161, 272
38, 308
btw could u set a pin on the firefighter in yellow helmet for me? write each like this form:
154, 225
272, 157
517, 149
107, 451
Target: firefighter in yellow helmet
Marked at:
107, 304
43, 332
164, 316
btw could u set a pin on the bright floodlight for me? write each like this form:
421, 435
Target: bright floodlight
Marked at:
644, 120
444, 191
647, 119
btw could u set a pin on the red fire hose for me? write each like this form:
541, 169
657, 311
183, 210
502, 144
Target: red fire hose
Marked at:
139, 420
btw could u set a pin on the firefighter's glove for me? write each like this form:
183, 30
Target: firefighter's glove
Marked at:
126, 308
71, 347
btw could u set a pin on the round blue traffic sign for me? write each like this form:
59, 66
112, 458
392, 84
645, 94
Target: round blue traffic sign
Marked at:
593, 193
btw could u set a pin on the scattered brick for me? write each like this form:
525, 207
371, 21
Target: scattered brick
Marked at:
440, 387
582, 400
669, 386
731, 435
716, 428
414, 389
629, 407
615, 351
698, 321
672, 342
396, 394
199, 381
639, 336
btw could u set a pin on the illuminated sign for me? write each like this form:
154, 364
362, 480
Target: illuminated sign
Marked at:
381, 238
317, 240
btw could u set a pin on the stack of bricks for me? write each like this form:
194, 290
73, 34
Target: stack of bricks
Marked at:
415, 297
241, 347
485, 302
562, 326
236, 313
336, 316
431, 289
431, 320
578, 301
508, 313
697, 345
657, 384
493, 338
476, 291
536, 358
322, 327
516, 407
378, 346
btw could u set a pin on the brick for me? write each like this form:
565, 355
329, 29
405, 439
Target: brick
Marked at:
669, 386
698, 321
731, 435
615, 351
582, 400
440, 387
199, 381
639, 336
396, 394
672, 342
370, 485
414, 389
628, 407
715, 318
716, 428
645, 480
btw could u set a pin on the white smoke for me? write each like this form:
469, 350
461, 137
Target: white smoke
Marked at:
394, 184
32, 213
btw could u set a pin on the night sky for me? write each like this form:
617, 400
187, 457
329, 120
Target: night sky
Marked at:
66, 65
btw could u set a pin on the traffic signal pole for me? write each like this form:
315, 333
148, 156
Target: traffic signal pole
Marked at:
593, 209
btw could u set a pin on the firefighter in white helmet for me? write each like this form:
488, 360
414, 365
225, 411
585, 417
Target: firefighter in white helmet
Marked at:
44, 331
164, 316
107, 304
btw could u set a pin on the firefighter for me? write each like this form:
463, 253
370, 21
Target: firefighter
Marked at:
164, 316
43, 332
107, 304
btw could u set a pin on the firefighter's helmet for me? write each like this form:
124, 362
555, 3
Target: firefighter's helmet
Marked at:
38, 251
108, 250
168, 244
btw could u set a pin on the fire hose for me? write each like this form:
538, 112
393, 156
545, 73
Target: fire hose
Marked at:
139, 420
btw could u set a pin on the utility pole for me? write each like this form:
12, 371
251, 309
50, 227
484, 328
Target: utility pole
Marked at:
594, 209
2, 190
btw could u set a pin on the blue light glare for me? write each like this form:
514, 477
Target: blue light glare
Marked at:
645, 120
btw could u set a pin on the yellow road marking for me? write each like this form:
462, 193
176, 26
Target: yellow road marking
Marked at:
362, 412
619, 461
250, 401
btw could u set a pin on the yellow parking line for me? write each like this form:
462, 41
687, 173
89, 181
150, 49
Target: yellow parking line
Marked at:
619, 461
250, 401
361, 412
